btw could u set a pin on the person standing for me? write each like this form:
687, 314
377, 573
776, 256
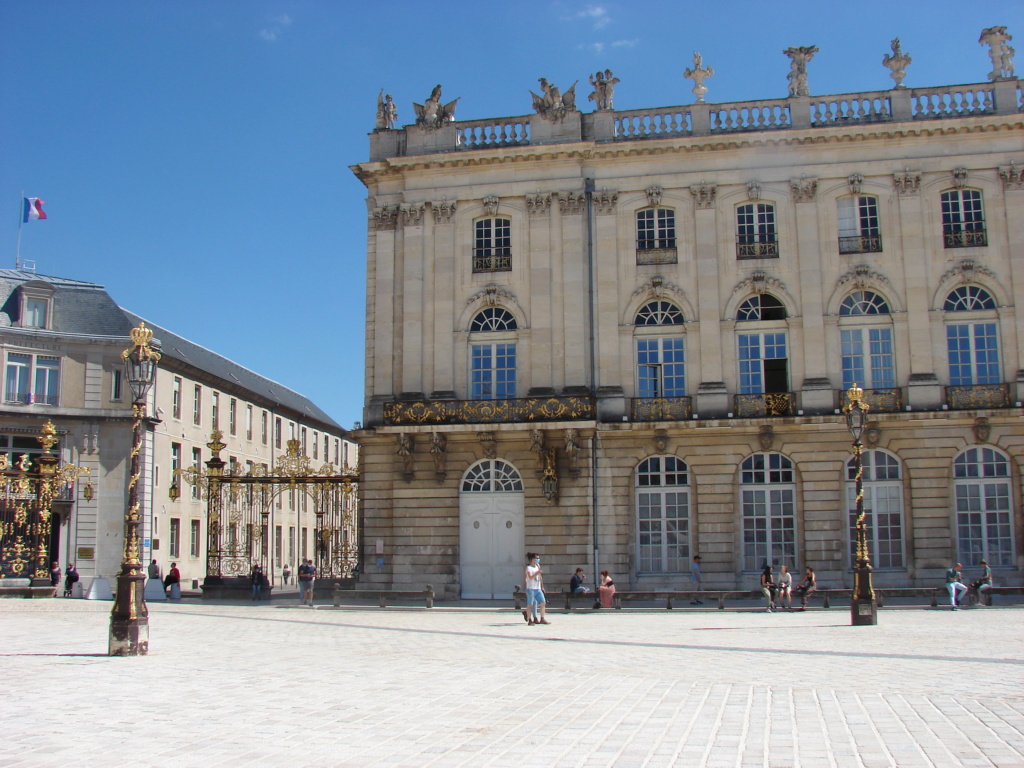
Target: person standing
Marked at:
695, 577
768, 587
286, 573
306, 575
55, 575
70, 579
783, 587
807, 587
256, 577
536, 603
954, 585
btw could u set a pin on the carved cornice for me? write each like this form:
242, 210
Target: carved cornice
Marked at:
856, 181
491, 295
385, 217
443, 211
605, 202
1012, 177
862, 277
653, 196
704, 194
759, 283
908, 182
571, 203
804, 190
968, 271
657, 288
538, 204
491, 205
959, 177
412, 214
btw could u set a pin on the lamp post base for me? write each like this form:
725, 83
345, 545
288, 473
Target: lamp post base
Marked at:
863, 612
129, 620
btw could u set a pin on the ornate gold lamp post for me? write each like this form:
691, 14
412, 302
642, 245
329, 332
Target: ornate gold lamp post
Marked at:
129, 621
863, 606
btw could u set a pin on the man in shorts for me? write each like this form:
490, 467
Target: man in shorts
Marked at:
536, 603
307, 572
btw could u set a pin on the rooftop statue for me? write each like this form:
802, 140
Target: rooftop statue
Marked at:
798, 68
999, 50
897, 63
387, 112
699, 74
432, 113
604, 89
553, 106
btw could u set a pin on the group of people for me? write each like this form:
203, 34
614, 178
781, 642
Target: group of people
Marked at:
605, 590
70, 578
778, 589
980, 586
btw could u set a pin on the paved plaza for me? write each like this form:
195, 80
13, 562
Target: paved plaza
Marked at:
280, 685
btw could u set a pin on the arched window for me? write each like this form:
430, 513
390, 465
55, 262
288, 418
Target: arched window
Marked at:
768, 509
963, 219
973, 346
981, 484
762, 306
764, 366
493, 319
660, 359
755, 232
883, 508
492, 355
867, 351
858, 224
492, 476
492, 245
663, 515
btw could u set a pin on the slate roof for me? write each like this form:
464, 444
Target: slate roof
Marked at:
87, 309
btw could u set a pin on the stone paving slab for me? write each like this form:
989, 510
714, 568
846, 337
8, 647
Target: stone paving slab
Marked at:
276, 685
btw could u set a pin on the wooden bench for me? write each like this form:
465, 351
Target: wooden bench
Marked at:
383, 595
668, 596
939, 593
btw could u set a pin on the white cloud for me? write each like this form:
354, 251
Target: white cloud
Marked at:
596, 13
276, 27
598, 47
626, 43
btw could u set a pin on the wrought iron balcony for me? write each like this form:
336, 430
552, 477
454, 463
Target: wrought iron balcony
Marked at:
661, 409
486, 261
978, 396
763, 249
656, 256
860, 244
880, 400
529, 409
965, 238
765, 404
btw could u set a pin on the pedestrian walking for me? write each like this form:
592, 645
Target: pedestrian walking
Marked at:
286, 573
954, 585
536, 603
256, 578
307, 573
70, 579
695, 577
55, 574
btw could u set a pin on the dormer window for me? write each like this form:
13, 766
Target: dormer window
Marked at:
35, 313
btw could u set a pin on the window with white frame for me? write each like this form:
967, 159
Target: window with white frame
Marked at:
763, 363
858, 224
655, 229
492, 245
663, 515
176, 398
248, 422
973, 342
197, 464
963, 219
233, 416
116, 385
866, 348
883, 508
175, 465
32, 378
756, 237
175, 537
215, 410
768, 511
197, 405
195, 540
660, 359
492, 355
984, 499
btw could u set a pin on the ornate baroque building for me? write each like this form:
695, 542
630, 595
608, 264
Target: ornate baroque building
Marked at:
61, 342
623, 338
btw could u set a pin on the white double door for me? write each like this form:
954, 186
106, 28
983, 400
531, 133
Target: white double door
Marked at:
491, 544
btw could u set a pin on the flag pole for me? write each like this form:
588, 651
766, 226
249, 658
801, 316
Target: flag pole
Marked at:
21, 219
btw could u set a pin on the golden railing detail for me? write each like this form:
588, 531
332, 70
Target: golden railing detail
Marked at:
889, 400
656, 256
764, 404
661, 409
978, 396
559, 408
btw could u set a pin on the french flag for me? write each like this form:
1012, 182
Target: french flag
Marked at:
33, 209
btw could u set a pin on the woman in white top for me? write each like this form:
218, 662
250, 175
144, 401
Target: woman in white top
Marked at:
784, 585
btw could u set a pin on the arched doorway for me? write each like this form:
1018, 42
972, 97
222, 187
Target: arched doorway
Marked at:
491, 530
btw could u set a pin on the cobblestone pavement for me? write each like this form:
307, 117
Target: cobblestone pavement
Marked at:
237, 685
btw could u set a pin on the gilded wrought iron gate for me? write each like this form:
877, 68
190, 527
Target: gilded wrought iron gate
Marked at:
240, 506
29, 485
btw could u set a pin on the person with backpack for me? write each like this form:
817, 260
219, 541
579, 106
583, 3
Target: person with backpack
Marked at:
70, 578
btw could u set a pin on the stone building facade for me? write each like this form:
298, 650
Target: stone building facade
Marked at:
623, 338
61, 342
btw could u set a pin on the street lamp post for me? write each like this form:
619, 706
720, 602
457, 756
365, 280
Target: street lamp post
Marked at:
863, 605
129, 620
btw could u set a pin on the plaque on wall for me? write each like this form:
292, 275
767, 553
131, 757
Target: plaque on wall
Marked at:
87, 553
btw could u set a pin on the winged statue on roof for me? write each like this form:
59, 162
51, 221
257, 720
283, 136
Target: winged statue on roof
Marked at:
554, 105
432, 113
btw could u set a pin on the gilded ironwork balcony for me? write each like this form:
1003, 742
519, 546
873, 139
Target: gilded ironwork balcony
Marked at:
529, 409
978, 396
860, 244
965, 238
656, 256
762, 249
486, 260
661, 409
886, 400
765, 404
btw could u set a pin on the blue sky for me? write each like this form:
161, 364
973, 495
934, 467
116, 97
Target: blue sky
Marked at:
193, 155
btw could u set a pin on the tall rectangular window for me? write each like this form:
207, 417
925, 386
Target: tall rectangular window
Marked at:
175, 537
176, 464
233, 417
316, 443
176, 398
493, 373
195, 544
660, 367
973, 354
303, 443
197, 405
858, 225
248, 422
263, 428
17, 377
35, 313
32, 379
277, 432
762, 363
278, 544
305, 543
215, 410
47, 384
867, 358
963, 219
655, 229
116, 384
492, 245
291, 544
755, 232
197, 462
